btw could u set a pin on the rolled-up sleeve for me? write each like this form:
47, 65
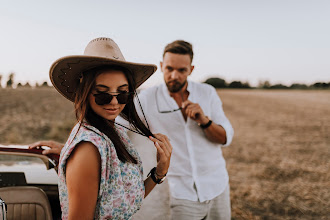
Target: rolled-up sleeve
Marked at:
218, 116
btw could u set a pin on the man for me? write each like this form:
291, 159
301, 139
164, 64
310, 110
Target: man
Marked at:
191, 115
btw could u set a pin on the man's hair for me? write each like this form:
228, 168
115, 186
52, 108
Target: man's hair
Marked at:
179, 47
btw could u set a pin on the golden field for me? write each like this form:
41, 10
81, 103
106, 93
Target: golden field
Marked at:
280, 157
278, 162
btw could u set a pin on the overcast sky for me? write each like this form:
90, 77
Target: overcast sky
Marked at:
283, 41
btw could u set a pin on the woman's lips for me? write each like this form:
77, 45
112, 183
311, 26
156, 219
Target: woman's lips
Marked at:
111, 110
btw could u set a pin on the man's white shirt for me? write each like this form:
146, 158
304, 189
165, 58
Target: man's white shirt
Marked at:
197, 169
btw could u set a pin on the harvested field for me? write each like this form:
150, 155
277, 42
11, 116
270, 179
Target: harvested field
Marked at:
28, 115
278, 162
279, 159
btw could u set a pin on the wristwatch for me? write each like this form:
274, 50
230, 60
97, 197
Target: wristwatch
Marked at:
203, 126
154, 177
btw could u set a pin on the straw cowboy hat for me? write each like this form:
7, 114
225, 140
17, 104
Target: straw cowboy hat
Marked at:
65, 72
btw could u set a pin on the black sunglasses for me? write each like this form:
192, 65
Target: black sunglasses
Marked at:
166, 111
103, 98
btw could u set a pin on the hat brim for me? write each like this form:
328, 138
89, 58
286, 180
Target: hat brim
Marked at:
65, 72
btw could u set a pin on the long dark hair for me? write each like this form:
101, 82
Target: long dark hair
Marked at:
84, 111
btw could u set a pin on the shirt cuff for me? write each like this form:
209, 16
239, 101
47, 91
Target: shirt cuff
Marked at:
229, 134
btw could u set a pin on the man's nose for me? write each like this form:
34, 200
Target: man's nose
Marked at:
175, 74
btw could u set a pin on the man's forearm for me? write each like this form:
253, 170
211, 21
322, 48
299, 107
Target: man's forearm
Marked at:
216, 133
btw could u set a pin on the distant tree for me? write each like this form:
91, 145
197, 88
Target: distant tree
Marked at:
298, 86
321, 85
216, 82
45, 84
0, 81
19, 85
41, 85
278, 86
10, 81
264, 84
246, 85
235, 84
27, 85
239, 85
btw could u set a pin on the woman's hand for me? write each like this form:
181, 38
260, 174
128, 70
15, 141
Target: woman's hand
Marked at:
55, 147
164, 151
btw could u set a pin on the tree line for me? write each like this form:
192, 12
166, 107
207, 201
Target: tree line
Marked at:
214, 81
221, 83
11, 83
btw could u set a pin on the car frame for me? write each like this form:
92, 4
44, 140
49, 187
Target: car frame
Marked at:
22, 167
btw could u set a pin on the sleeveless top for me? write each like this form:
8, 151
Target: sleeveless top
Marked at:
121, 187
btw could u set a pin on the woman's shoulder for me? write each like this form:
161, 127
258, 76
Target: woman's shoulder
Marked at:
84, 132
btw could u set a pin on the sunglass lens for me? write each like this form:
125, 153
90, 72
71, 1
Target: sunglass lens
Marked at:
123, 98
103, 98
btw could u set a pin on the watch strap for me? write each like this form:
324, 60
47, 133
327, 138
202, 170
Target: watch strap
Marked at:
208, 124
153, 175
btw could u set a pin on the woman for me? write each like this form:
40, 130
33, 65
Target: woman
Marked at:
100, 173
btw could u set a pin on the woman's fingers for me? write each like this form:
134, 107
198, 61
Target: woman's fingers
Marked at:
164, 151
42, 143
164, 143
166, 140
51, 151
163, 138
156, 143
55, 147
161, 148
37, 144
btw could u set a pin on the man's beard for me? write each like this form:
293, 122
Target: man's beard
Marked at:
175, 86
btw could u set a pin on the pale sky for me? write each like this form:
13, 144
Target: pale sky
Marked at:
283, 41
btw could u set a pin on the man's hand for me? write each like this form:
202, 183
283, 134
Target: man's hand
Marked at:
194, 111
55, 147
214, 132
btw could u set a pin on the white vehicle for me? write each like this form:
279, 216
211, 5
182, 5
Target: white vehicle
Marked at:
28, 184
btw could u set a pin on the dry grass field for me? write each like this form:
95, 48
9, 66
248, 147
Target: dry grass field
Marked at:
278, 162
28, 115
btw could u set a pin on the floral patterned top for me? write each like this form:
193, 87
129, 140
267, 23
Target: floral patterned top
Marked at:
121, 184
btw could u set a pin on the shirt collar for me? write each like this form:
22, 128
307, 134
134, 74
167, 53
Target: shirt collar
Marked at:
164, 100
189, 87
